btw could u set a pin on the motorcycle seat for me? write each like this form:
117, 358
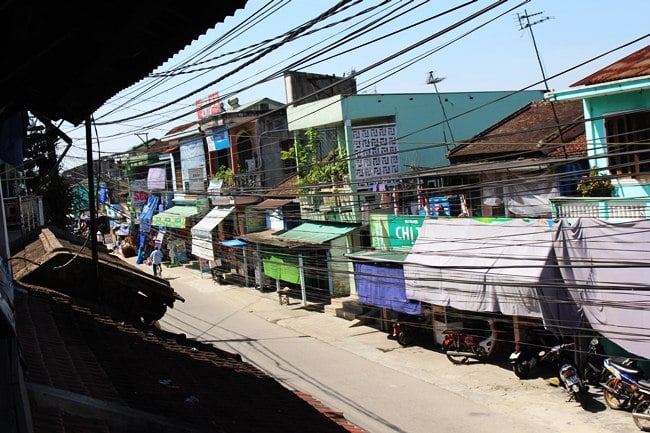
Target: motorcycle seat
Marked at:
623, 368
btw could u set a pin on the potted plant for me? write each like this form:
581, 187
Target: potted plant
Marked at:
595, 185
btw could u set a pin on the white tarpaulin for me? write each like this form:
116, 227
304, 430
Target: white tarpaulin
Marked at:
202, 232
476, 266
606, 267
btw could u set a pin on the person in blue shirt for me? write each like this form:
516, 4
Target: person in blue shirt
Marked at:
156, 257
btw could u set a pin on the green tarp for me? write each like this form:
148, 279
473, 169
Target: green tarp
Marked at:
284, 268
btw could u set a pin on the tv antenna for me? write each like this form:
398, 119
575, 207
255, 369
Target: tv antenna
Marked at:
432, 79
525, 23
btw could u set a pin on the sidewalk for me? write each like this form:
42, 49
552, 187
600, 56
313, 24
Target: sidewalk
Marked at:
493, 385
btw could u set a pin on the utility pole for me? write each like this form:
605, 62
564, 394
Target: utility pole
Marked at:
525, 23
432, 79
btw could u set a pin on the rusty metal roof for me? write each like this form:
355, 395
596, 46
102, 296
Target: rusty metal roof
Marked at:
635, 65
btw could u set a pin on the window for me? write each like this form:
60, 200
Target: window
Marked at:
628, 143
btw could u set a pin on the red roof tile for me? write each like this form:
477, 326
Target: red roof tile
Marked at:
529, 132
84, 352
122, 377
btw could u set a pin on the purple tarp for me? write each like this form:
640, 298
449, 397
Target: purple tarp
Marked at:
606, 267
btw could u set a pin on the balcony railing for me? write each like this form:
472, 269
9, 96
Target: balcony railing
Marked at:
328, 204
601, 207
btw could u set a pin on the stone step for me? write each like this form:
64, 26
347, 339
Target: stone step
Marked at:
348, 308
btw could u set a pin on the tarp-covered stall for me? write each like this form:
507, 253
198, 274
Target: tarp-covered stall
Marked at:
606, 267
471, 265
379, 278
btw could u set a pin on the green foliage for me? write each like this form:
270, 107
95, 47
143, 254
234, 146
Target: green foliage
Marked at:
595, 185
311, 171
225, 174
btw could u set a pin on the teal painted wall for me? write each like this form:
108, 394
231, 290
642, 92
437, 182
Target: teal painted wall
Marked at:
595, 108
421, 128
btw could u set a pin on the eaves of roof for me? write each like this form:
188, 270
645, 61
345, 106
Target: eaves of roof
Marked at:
86, 55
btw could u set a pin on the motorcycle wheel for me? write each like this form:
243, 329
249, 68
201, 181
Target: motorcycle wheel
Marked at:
405, 336
521, 370
613, 401
456, 359
643, 408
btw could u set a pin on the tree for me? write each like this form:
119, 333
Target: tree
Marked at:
42, 176
311, 171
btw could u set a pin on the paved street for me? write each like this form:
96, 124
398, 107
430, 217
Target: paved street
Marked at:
357, 370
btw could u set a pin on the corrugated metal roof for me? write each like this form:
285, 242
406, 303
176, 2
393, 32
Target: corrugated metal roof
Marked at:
317, 233
97, 51
635, 65
271, 203
389, 256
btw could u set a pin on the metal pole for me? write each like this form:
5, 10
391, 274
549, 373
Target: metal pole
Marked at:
330, 278
530, 25
260, 273
303, 289
92, 232
245, 266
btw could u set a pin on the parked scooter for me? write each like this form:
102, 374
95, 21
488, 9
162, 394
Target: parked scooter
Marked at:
460, 347
641, 410
620, 391
567, 372
526, 354
594, 371
407, 328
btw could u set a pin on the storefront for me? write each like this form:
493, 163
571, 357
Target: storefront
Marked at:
176, 222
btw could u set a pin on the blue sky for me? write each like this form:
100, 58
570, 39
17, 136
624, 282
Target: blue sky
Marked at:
488, 53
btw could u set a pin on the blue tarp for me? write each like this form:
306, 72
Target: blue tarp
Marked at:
383, 286
234, 243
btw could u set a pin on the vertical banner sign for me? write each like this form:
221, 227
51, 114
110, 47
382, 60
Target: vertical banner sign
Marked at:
209, 106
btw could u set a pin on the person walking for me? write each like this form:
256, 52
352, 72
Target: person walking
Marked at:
156, 257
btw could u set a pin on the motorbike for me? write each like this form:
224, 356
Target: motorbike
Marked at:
407, 328
594, 371
641, 410
621, 390
460, 347
526, 354
567, 373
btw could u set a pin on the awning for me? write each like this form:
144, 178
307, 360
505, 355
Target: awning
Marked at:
476, 266
271, 204
314, 233
175, 217
388, 256
234, 243
202, 231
